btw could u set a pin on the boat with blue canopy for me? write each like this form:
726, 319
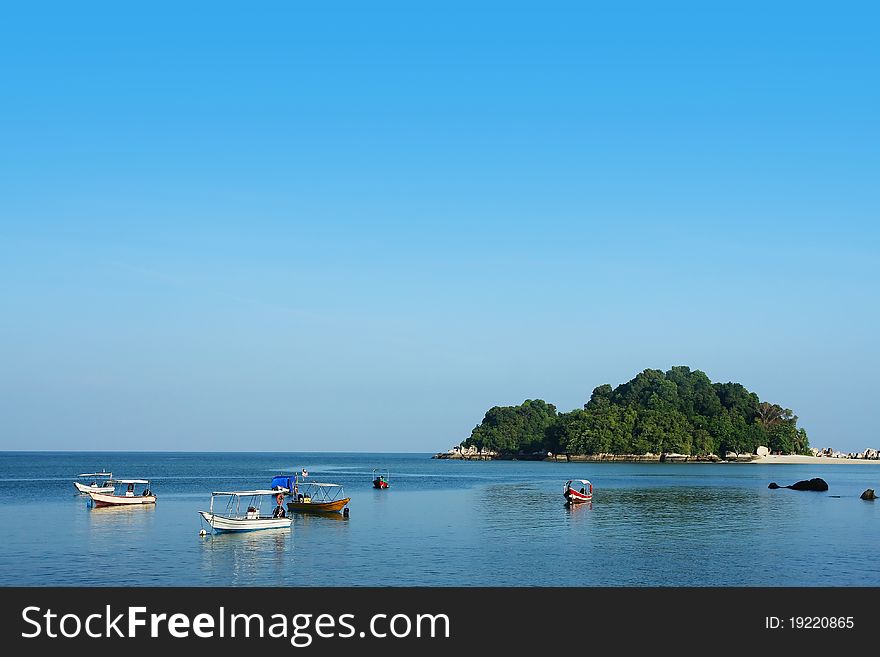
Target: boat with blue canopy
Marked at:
311, 496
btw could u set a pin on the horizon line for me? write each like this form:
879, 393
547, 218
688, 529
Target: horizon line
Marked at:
202, 451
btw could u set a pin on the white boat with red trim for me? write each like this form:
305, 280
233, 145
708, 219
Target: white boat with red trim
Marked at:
130, 498
576, 495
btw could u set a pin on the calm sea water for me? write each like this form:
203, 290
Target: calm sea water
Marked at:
443, 523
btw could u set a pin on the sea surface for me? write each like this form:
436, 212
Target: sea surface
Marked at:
443, 523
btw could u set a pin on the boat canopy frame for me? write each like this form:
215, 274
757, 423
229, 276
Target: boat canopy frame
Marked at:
233, 504
586, 487
320, 492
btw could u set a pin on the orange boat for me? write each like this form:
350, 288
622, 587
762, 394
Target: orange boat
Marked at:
314, 497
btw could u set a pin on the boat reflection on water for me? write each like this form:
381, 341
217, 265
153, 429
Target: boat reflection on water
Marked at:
131, 523
249, 558
266, 540
580, 515
306, 519
115, 515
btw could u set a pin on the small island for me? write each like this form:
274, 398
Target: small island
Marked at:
677, 415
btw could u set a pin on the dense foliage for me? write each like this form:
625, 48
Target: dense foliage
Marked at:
679, 411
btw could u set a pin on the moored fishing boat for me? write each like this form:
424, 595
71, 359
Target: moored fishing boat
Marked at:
574, 495
233, 519
381, 481
106, 485
316, 497
129, 498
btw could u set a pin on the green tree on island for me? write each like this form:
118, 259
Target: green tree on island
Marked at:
515, 428
678, 411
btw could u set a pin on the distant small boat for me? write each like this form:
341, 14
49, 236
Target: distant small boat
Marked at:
304, 473
233, 519
381, 481
129, 499
575, 495
315, 497
105, 486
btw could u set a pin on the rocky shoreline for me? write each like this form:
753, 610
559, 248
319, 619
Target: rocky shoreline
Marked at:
575, 458
761, 455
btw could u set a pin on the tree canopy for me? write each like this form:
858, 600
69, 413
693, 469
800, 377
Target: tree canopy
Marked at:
678, 411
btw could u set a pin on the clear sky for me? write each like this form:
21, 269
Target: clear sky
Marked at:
356, 226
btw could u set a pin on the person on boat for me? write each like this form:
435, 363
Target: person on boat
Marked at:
583, 490
129, 492
279, 512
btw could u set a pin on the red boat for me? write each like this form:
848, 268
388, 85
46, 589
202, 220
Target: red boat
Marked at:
575, 494
381, 481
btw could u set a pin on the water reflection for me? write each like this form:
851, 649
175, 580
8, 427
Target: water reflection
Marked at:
307, 518
112, 516
578, 514
248, 558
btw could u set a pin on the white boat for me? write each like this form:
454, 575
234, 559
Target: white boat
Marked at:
129, 499
94, 487
234, 519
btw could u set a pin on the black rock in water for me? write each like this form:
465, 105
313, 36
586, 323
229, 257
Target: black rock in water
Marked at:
869, 495
815, 484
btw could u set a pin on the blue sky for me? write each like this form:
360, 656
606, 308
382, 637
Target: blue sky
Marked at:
333, 226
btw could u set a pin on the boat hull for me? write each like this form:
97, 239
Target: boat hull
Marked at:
380, 484
102, 499
318, 507
574, 497
226, 524
85, 489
